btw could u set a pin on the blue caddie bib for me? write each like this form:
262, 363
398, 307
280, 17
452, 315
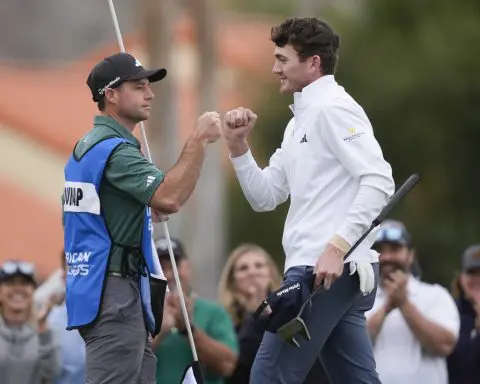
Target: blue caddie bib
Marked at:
87, 244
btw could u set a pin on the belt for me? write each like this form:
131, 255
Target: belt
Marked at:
125, 264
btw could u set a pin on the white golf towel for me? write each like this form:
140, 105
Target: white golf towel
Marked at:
192, 374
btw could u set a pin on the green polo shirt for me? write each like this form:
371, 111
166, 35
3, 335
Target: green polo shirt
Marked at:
174, 352
129, 182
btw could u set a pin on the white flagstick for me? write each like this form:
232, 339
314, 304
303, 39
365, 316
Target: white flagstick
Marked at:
165, 227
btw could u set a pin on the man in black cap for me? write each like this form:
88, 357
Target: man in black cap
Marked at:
414, 325
213, 331
109, 188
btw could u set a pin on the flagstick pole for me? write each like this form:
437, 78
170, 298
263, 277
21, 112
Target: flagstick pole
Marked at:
165, 227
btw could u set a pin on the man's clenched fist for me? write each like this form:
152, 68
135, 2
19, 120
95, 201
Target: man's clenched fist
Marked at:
237, 124
209, 127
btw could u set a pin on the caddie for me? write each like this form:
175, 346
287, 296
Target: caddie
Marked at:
110, 190
332, 168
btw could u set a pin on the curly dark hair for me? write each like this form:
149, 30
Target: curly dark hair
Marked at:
309, 36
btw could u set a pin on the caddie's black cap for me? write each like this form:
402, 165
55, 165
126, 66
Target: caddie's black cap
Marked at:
114, 70
285, 303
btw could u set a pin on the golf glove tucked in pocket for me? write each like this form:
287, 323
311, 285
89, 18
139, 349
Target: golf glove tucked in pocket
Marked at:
366, 276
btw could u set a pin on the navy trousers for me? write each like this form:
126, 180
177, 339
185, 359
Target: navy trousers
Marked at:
339, 336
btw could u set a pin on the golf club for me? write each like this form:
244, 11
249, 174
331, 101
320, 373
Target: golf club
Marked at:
297, 326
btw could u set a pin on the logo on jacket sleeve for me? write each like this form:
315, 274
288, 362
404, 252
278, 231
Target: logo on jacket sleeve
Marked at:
353, 134
150, 180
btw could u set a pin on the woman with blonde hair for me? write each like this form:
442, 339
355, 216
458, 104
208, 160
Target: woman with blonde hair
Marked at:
248, 276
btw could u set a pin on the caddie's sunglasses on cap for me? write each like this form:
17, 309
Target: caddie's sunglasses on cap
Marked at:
11, 268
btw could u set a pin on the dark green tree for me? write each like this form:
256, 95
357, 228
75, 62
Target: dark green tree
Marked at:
413, 66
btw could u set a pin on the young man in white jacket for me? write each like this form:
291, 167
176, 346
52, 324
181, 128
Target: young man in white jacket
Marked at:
332, 168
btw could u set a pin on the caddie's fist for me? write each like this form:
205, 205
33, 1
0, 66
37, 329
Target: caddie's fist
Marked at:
209, 127
158, 217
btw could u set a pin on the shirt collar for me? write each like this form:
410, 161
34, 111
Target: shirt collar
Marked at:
113, 124
312, 91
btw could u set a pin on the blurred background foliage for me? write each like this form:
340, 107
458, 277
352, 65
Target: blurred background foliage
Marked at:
413, 66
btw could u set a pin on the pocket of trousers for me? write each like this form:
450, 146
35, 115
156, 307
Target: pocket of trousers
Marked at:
123, 301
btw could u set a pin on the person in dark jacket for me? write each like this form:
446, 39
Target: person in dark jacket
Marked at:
248, 277
464, 362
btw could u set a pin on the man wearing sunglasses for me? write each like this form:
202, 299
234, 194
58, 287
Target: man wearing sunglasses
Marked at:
413, 325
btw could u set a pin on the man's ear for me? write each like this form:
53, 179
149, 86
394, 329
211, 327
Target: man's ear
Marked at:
111, 96
316, 63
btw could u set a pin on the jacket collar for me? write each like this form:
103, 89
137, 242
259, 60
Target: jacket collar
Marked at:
314, 91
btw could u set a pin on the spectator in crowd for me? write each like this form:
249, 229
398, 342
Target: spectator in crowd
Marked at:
248, 277
414, 325
72, 346
28, 352
464, 362
212, 328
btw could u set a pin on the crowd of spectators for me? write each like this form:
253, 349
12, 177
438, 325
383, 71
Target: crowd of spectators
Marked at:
421, 332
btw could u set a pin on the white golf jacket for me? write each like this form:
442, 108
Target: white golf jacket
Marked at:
332, 168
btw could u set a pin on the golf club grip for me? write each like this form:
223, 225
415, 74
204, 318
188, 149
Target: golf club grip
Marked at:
397, 196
